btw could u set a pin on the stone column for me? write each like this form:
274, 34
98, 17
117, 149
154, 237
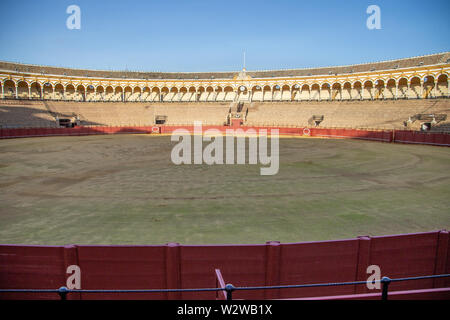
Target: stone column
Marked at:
448, 88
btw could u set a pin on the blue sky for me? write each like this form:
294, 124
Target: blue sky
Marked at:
200, 35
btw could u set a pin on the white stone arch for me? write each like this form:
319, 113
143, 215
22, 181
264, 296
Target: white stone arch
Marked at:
145, 93
315, 90
415, 87
347, 90
403, 87
127, 92
357, 89
336, 91
296, 89
256, 92
164, 93
266, 91
90, 90
59, 93
325, 90
99, 92
80, 92
209, 93
109, 92
379, 86
173, 93
229, 92
36, 90
119, 93
155, 94
390, 88
47, 90
10, 88
182, 93
285, 92
368, 86
304, 91
443, 85
429, 86
200, 92
69, 89
136, 93
191, 94
22, 88
276, 91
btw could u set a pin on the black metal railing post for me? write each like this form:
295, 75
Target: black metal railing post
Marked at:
385, 281
229, 288
63, 291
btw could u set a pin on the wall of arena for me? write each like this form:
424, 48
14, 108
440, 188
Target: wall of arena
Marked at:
193, 266
362, 115
389, 95
400, 136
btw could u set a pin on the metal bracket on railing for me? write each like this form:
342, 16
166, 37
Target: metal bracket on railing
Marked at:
385, 281
229, 288
63, 291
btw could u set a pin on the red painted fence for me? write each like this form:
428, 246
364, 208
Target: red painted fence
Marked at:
415, 137
422, 138
193, 266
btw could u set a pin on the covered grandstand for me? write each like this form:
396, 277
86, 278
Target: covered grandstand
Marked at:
404, 94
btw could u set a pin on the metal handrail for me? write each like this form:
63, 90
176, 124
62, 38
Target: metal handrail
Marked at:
229, 288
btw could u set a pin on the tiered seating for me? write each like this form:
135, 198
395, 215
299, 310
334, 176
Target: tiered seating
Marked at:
25, 114
141, 114
187, 113
442, 127
355, 114
350, 114
105, 114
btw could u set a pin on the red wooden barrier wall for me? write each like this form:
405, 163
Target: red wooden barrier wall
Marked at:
190, 266
440, 139
414, 137
424, 294
422, 138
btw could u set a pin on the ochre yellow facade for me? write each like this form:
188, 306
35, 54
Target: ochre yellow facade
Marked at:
412, 82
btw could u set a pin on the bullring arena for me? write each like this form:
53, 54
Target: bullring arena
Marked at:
85, 160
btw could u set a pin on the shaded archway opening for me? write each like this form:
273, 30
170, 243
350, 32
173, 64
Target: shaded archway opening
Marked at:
22, 90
